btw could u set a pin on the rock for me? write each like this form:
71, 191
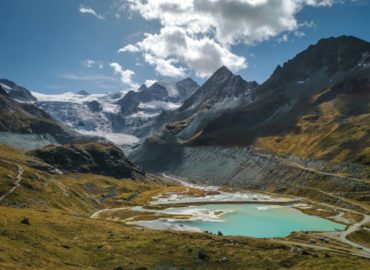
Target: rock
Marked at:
203, 256
94, 106
83, 93
26, 221
41, 166
92, 157
305, 252
296, 250
285, 264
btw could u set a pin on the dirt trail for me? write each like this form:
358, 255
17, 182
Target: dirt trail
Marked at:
17, 181
304, 168
341, 236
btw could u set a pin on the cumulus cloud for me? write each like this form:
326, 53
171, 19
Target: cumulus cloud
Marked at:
125, 75
88, 10
200, 34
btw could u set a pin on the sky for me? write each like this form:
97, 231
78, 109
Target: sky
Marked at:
54, 46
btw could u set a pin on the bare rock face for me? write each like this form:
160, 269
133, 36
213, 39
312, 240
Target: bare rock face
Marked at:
25, 118
93, 157
17, 92
94, 106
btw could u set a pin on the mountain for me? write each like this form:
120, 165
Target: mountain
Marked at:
159, 96
25, 118
17, 92
84, 113
83, 93
92, 157
315, 106
115, 117
222, 92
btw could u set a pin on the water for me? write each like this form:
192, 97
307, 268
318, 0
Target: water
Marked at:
255, 220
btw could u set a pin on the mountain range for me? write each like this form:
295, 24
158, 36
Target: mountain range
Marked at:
111, 114
314, 106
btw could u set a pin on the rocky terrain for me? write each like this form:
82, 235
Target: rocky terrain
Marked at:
26, 118
16, 92
93, 157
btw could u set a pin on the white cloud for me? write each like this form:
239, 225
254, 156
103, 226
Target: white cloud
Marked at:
165, 67
89, 10
149, 83
88, 63
129, 48
87, 77
200, 34
283, 38
125, 75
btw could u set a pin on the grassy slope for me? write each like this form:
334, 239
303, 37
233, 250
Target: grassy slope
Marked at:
361, 236
56, 241
327, 132
62, 236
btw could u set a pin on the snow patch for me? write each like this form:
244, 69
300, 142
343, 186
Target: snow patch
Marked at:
5, 87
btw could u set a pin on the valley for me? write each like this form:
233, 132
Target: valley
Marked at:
62, 207
230, 174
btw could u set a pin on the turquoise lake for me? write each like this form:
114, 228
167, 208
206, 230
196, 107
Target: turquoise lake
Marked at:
249, 220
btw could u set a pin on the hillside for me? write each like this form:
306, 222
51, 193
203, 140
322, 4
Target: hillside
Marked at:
25, 118
93, 157
45, 224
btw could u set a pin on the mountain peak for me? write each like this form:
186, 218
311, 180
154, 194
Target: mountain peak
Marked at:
223, 71
341, 40
83, 93
329, 56
142, 88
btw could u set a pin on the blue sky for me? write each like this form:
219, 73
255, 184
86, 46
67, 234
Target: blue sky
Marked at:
53, 46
